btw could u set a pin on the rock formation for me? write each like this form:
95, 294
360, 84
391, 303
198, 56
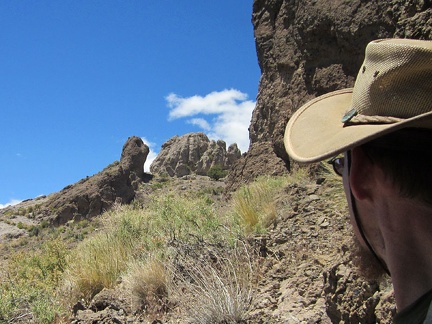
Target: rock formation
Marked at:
308, 48
193, 153
134, 155
93, 195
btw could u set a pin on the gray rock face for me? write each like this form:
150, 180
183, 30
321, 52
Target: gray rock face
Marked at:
308, 48
193, 153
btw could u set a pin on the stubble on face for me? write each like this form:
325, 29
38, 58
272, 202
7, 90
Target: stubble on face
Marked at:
365, 262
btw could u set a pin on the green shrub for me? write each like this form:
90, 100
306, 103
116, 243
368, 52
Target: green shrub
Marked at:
33, 230
29, 282
182, 218
216, 172
44, 224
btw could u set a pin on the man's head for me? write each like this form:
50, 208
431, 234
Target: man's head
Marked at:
384, 127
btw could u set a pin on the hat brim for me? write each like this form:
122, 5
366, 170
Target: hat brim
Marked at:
316, 132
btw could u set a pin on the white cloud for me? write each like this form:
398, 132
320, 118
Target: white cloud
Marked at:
151, 156
232, 109
10, 203
201, 122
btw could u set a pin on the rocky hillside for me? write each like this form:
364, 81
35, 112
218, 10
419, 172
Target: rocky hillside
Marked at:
308, 48
303, 270
187, 155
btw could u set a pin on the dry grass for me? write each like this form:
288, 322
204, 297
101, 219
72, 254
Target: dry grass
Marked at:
217, 291
135, 244
131, 234
147, 282
98, 262
28, 283
255, 204
299, 174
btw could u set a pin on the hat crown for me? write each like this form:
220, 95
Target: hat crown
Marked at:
394, 82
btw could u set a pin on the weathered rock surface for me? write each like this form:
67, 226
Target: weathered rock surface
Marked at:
308, 272
134, 155
193, 153
308, 48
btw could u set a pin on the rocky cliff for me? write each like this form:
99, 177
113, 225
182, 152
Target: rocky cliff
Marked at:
308, 48
193, 153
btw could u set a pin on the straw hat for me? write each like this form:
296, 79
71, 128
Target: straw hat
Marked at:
393, 90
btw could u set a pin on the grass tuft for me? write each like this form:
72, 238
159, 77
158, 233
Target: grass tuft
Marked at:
131, 234
255, 204
217, 291
335, 190
98, 262
147, 282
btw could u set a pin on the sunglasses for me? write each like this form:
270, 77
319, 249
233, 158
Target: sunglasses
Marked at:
338, 164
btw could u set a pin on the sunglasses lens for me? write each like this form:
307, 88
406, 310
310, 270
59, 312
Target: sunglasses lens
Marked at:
338, 165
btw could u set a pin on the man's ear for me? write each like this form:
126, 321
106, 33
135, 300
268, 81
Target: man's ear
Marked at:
361, 175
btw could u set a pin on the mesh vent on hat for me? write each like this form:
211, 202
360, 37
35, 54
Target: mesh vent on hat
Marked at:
394, 81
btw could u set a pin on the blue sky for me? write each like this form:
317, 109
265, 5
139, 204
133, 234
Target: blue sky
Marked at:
78, 77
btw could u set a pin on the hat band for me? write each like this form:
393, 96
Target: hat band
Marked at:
376, 119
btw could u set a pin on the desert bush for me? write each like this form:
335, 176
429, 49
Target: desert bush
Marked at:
33, 230
215, 291
216, 172
184, 218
